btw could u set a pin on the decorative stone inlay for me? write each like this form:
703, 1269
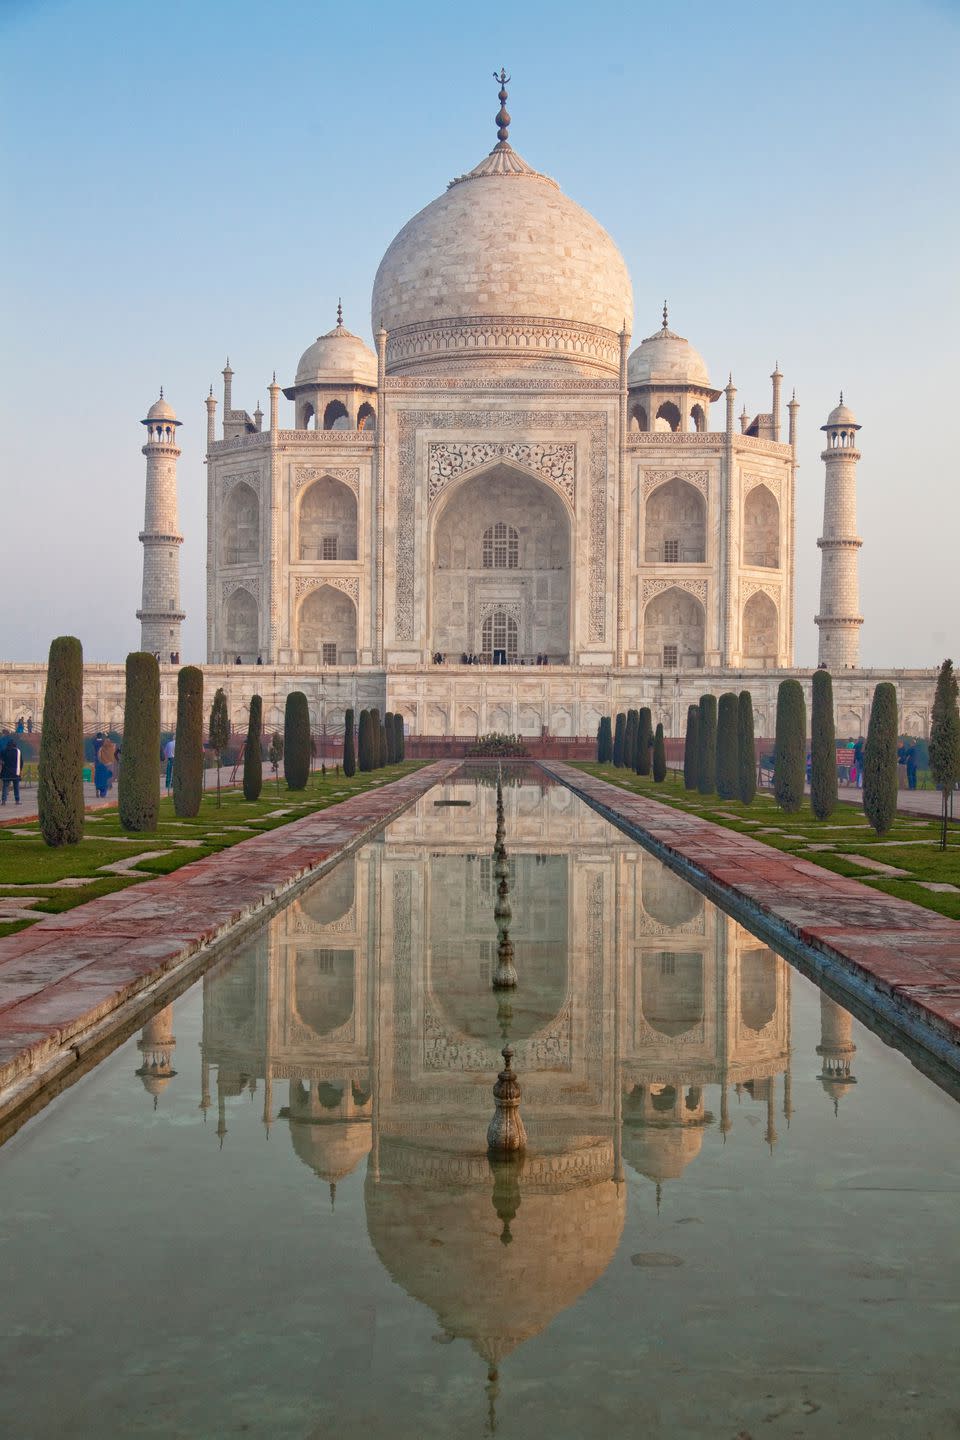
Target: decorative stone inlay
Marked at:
653, 928
751, 480
641, 439
575, 384
348, 474
484, 337
750, 587
252, 584
349, 584
657, 587
410, 421
654, 478
553, 463
513, 608
240, 477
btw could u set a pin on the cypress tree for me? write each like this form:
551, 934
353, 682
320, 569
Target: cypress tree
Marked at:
376, 759
391, 735
60, 780
252, 757
644, 740
364, 761
707, 745
188, 751
823, 748
619, 735
746, 749
296, 741
659, 756
399, 739
728, 749
275, 755
691, 749
138, 789
880, 760
945, 740
630, 740
604, 741
219, 732
349, 745
790, 747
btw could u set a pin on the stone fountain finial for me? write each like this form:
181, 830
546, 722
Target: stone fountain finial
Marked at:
502, 120
505, 972
505, 1133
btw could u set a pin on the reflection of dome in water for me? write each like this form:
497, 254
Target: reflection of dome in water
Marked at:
332, 1148
442, 1243
661, 1152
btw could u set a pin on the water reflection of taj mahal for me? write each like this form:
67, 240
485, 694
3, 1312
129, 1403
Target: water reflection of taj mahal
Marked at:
365, 1012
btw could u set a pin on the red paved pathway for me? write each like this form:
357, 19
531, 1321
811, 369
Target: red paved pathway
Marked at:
69, 971
903, 959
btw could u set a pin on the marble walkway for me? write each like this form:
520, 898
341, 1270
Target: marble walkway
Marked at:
68, 972
901, 959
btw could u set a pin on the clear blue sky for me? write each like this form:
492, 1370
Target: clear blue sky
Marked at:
183, 181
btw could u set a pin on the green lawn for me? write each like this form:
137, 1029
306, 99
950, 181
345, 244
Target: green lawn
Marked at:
912, 843
29, 868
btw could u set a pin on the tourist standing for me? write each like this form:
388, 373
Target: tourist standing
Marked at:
858, 763
103, 769
10, 765
168, 751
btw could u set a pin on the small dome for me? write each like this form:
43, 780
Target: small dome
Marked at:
661, 1152
337, 358
667, 359
161, 410
841, 415
332, 1150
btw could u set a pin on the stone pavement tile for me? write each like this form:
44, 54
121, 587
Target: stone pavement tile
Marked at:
867, 863
940, 887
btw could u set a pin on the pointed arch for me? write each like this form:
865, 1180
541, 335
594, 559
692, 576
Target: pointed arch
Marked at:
668, 417
336, 416
672, 991
366, 417
761, 528
675, 524
242, 626
760, 629
240, 526
674, 631
327, 521
327, 628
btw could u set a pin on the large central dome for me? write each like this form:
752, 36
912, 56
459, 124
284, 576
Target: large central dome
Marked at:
503, 267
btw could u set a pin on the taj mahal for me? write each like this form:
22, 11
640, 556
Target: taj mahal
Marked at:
504, 516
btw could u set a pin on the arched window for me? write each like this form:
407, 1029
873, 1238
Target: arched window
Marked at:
501, 547
698, 419
500, 633
307, 416
668, 417
761, 529
638, 418
335, 416
366, 417
240, 526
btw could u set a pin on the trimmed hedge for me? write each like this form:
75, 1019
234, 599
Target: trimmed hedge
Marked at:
138, 788
691, 749
252, 754
296, 741
823, 748
880, 760
604, 741
790, 748
60, 782
644, 741
659, 756
188, 752
728, 748
746, 749
391, 738
364, 753
619, 736
400, 742
707, 745
944, 749
349, 745
630, 740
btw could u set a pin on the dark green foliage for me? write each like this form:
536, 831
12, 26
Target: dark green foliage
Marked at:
790, 747
691, 749
399, 743
60, 781
945, 740
823, 748
376, 739
364, 755
218, 736
728, 750
707, 745
252, 756
880, 760
644, 741
746, 750
188, 752
138, 789
630, 740
391, 738
659, 756
619, 735
349, 745
275, 755
604, 741
296, 741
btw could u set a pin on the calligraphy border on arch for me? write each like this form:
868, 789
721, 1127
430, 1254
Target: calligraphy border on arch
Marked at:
697, 588
752, 479
348, 474
653, 479
349, 584
408, 424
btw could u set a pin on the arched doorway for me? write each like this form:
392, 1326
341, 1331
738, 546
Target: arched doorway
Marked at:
761, 528
674, 631
675, 524
760, 629
501, 573
327, 631
240, 527
241, 626
328, 521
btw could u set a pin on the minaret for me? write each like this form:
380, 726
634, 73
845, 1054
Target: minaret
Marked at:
836, 1049
156, 1045
840, 619
160, 615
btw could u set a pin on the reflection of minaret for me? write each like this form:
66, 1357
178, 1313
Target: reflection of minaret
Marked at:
836, 1049
156, 1045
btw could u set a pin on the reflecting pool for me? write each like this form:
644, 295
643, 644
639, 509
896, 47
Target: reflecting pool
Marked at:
272, 1212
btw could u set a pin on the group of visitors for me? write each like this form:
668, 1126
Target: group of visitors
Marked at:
11, 764
239, 660
439, 658
907, 763
174, 657
24, 726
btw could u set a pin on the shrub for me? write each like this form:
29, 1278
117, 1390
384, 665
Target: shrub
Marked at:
188, 752
880, 760
644, 741
619, 735
349, 745
275, 755
630, 740
604, 741
691, 749
659, 756
746, 749
945, 740
391, 738
400, 743
252, 756
219, 732
823, 748
504, 746
296, 741
383, 744
728, 749
60, 782
364, 757
138, 789
707, 745
790, 748
376, 739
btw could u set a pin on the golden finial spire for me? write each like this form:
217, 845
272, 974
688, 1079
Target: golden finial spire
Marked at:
502, 118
